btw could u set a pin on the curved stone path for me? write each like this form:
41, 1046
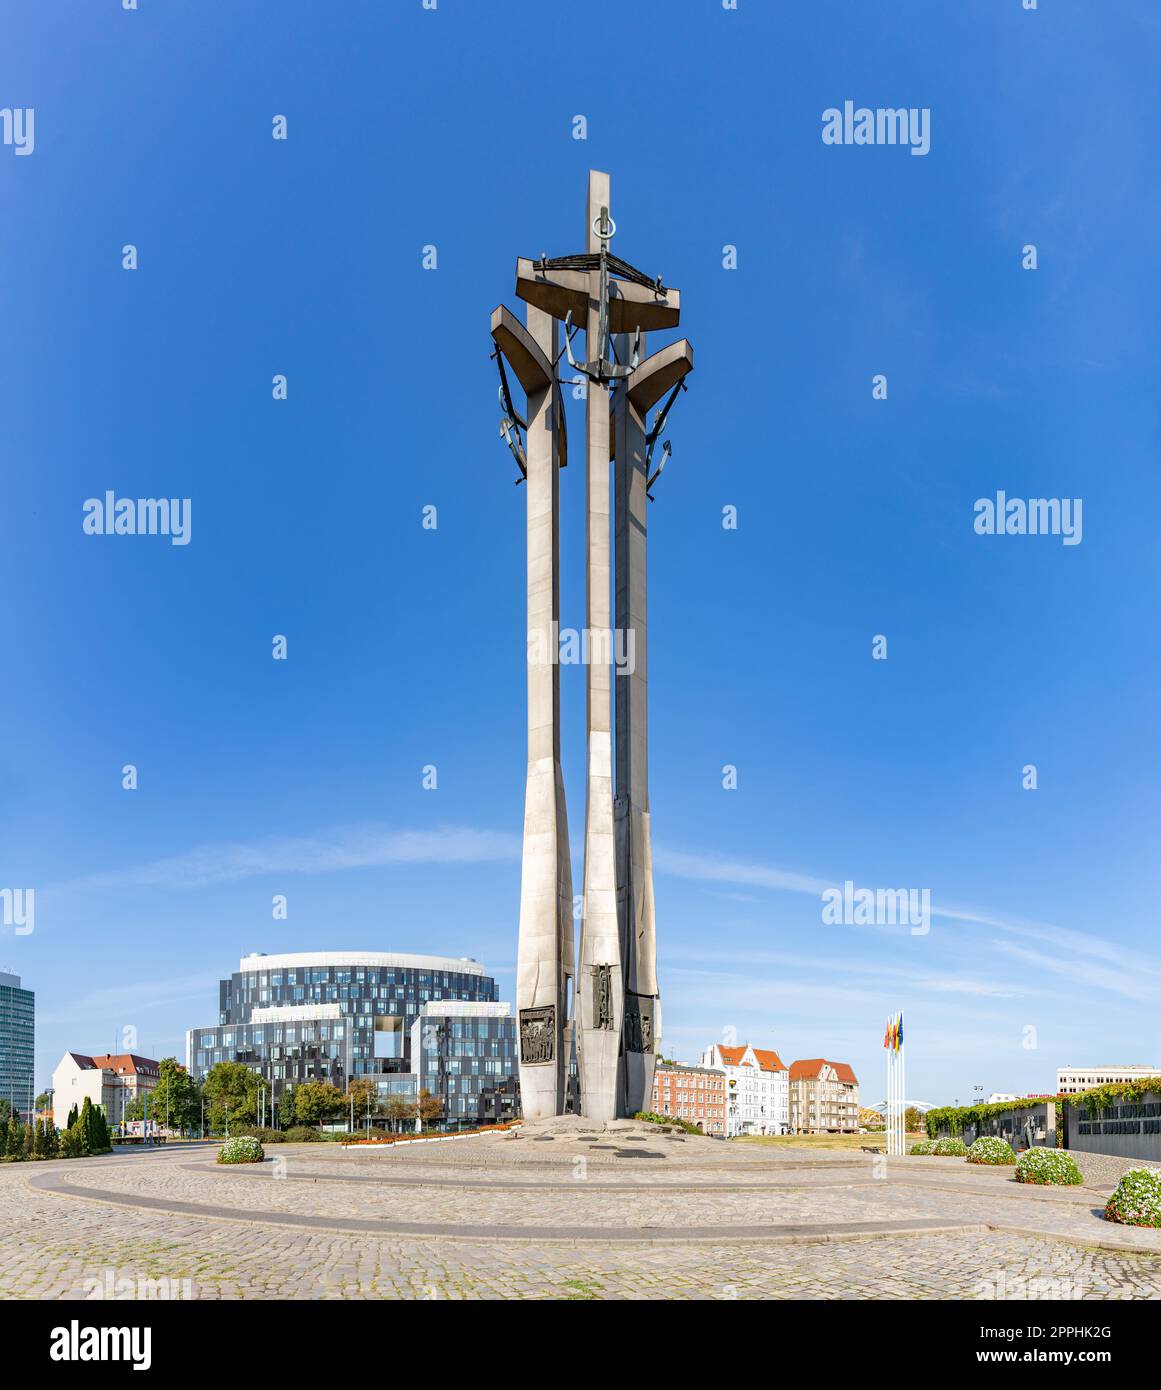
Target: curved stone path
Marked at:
491, 1218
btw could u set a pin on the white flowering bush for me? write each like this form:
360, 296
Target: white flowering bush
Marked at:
989, 1149
244, 1149
1048, 1167
923, 1147
1137, 1199
951, 1147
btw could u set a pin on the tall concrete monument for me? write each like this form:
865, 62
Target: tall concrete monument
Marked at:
615, 1022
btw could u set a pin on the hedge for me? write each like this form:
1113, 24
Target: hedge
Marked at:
957, 1118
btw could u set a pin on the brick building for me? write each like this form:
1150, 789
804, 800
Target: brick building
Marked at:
696, 1094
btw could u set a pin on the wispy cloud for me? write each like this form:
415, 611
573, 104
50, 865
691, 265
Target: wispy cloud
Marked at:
711, 869
1122, 971
840, 969
324, 851
130, 999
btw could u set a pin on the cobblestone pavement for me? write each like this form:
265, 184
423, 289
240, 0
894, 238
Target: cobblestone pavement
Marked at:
231, 1244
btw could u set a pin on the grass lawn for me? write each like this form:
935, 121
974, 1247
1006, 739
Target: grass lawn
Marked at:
852, 1142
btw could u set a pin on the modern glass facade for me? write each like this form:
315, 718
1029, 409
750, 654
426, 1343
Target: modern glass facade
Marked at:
465, 1055
332, 1015
17, 1042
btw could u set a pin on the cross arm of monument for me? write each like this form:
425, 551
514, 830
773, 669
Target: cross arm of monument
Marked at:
534, 372
632, 306
660, 372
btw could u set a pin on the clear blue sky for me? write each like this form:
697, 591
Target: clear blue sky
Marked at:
406, 646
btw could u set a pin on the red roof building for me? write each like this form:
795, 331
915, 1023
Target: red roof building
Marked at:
824, 1097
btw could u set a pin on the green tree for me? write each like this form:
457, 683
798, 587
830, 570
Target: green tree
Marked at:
43, 1101
85, 1124
51, 1141
317, 1101
177, 1096
14, 1141
72, 1119
230, 1089
287, 1112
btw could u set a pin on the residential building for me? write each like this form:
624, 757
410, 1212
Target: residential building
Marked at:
333, 1015
1070, 1081
111, 1080
696, 1094
464, 1053
757, 1095
17, 1043
824, 1097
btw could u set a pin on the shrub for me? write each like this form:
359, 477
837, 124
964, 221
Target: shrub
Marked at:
243, 1149
923, 1147
264, 1136
650, 1117
952, 1147
302, 1134
1137, 1199
72, 1143
1048, 1166
988, 1149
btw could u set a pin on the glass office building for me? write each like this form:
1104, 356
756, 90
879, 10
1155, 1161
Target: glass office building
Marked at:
333, 1015
464, 1054
17, 1042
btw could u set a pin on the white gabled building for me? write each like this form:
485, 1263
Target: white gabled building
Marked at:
111, 1080
757, 1089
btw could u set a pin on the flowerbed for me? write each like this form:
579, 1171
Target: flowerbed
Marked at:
951, 1147
244, 1149
1048, 1167
988, 1149
1137, 1199
923, 1147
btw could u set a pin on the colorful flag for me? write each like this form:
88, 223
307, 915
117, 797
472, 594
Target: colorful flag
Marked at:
899, 1034
887, 1035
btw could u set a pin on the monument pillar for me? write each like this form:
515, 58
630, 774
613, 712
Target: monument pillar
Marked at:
600, 978
545, 950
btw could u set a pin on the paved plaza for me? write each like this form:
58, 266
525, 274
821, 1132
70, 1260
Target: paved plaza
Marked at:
568, 1217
